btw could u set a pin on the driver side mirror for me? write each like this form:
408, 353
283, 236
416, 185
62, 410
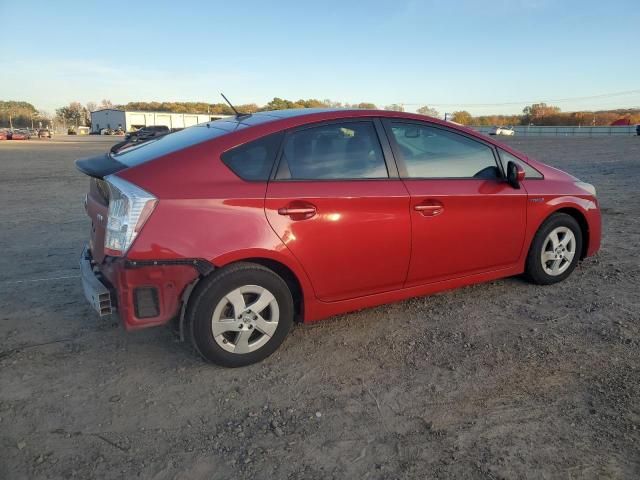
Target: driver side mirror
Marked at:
515, 174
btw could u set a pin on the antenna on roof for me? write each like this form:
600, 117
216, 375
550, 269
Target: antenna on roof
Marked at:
238, 114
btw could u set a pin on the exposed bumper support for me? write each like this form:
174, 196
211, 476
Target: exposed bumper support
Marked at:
95, 291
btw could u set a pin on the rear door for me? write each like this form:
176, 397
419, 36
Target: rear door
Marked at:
465, 218
338, 205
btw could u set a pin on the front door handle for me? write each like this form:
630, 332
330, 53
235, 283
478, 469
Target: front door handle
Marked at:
429, 208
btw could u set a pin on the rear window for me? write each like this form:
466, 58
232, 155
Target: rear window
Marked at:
173, 142
253, 160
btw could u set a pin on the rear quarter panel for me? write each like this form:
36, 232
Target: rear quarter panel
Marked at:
205, 211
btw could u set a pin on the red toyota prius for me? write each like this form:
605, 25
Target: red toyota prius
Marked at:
238, 227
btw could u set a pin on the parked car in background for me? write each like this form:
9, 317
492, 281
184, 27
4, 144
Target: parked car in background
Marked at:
638, 129
238, 227
509, 131
5, 134
147, 132
20, 134
44, 133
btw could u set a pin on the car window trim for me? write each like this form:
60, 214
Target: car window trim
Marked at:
392, 172
402, 168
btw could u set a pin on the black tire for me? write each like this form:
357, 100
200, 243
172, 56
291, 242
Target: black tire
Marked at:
213, 289
534, 270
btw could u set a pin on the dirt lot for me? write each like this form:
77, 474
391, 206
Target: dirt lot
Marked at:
500, 380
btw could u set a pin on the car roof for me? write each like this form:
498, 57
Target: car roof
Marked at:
301, 116
261, 123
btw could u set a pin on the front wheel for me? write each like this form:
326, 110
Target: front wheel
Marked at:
240, 315
555, 250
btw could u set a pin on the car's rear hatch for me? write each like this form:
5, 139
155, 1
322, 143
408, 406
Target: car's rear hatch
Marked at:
123, 157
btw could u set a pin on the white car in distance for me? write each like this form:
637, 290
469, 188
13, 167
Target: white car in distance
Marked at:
502, 131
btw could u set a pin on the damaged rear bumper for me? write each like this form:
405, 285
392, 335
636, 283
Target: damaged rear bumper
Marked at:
144, 294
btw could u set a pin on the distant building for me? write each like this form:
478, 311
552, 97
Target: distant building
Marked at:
129, 121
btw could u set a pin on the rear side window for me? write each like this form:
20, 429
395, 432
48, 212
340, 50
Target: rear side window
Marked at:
253, 160
529, 171
429, 152
336, 151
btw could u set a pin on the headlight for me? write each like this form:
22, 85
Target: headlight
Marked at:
129, 209
586, 186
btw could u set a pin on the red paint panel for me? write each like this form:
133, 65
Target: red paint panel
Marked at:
358, 241
479, 226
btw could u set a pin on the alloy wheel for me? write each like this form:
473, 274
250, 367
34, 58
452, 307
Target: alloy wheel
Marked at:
558, 250
245, 319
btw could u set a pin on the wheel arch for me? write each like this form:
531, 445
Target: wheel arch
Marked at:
284, 266
579, 217
290, 278
279, 268
584, 227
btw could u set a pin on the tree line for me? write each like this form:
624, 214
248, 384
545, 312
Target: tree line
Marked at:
24, 114
19, 114
549, 115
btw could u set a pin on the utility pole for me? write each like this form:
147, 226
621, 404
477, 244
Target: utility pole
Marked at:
10, 122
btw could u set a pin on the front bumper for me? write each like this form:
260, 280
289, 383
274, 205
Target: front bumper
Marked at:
135, 289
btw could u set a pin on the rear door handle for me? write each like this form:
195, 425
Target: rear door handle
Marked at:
429, 208
298, 210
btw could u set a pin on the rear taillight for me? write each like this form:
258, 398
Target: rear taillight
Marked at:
129, 209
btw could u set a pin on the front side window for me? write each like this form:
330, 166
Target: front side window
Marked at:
529, 171
429, 152
336, 151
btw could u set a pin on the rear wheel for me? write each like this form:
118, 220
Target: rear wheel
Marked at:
555, 250
240, 315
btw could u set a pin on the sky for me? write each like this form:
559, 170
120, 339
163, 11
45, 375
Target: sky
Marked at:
482, 56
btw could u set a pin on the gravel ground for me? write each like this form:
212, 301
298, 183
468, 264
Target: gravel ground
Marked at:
499, 380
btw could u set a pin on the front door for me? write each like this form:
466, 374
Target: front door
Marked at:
335, 206
465, 218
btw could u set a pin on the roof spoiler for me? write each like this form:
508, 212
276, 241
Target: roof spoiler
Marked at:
99, 166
